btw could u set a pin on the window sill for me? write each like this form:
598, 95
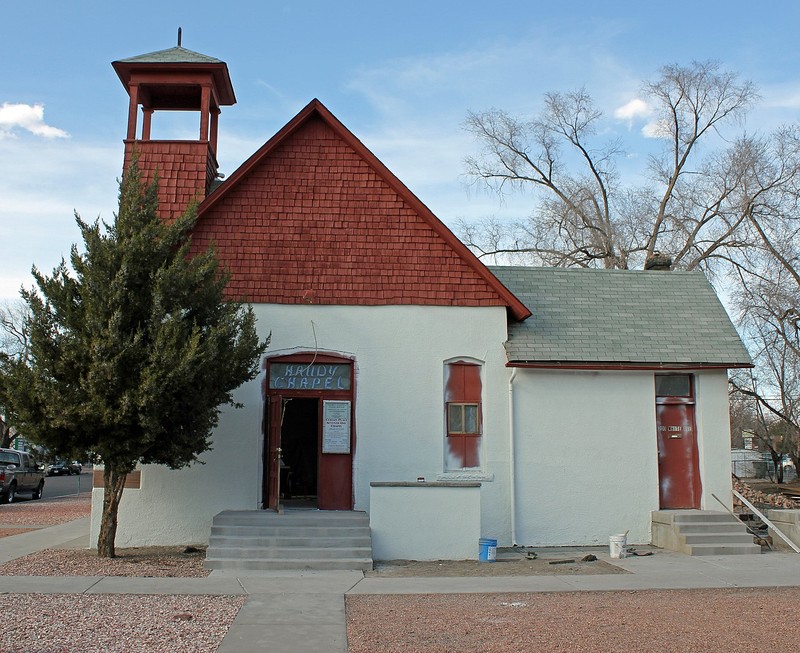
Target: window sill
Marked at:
466, 475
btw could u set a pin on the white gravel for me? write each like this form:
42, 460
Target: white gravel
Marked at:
80, 623
678, 621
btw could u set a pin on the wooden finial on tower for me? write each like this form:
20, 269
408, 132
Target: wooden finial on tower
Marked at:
179, 37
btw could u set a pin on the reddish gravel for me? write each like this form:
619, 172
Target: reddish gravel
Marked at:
5, 532
148, 562
80, 623
45, 513
677, 621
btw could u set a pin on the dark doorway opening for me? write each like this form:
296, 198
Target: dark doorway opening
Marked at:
300, 453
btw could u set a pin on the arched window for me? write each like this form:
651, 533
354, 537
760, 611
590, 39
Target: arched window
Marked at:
463, 418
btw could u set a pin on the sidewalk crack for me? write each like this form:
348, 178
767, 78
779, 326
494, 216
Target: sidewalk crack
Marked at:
98, 581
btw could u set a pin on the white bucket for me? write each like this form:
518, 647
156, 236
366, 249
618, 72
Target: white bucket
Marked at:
617, 544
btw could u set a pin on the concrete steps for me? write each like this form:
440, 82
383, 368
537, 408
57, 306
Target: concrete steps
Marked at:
701, 533
298, 539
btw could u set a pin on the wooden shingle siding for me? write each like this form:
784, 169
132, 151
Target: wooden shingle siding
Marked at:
185, 169
314, 222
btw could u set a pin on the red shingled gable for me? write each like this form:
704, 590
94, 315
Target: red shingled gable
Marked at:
314, 217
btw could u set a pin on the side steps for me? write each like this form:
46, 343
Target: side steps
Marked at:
701, 532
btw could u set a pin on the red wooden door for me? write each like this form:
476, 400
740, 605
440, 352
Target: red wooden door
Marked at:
335, 474
678, 460
335, 482
273, 451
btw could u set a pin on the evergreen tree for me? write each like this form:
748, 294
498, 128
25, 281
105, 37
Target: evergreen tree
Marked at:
132, 353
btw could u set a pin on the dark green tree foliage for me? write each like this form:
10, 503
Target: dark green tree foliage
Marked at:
132, 354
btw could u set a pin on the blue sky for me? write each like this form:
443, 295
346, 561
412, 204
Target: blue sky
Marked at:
401, 76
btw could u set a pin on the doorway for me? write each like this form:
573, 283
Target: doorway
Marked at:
679, 484
309, 433
299, 462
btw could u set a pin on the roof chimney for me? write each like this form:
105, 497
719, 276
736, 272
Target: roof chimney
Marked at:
658, 261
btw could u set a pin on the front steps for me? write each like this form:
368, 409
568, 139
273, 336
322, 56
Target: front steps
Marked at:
701, 533
255, 540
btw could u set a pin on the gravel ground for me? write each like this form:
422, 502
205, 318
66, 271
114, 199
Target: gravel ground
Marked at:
158, 562
114, 623
678, 621
5, 532
75, 623
45, 513
512, 566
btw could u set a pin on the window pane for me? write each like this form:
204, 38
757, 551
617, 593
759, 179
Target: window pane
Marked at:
673, 385
470, 418
455, 419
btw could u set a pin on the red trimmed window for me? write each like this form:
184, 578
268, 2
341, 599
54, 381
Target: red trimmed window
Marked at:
463, 419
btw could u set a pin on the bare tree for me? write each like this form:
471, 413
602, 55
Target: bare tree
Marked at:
725, 203
13, 329
768, 299
699, 209
14, 344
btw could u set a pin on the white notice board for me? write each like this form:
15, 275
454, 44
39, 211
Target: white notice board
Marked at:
335, 426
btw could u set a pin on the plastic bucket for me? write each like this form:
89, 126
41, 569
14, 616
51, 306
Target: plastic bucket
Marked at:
617, 544
487, 549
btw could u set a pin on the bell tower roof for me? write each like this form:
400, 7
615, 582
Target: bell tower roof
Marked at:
178, 65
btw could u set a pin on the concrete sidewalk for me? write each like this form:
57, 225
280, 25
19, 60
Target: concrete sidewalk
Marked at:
303, 611
74, 534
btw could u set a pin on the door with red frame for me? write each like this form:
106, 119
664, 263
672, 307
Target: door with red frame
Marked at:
272, 452
680, 486
319, 391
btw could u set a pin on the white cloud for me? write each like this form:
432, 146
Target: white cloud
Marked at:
634, 109
29, 117
656, 129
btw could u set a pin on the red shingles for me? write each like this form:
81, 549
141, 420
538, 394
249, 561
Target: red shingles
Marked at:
184, 170
313, 222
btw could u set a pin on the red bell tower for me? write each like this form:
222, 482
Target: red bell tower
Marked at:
176, 79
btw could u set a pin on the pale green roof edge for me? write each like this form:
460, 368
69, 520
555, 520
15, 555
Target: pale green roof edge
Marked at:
619, 317
172, 55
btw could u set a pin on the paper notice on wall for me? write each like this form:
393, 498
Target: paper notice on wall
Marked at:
335, 427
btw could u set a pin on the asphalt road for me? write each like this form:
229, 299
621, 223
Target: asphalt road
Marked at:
59, 486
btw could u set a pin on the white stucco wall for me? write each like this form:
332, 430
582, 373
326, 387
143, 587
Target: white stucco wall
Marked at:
399, 355
425, 521
586, 459
586, 455
714, 438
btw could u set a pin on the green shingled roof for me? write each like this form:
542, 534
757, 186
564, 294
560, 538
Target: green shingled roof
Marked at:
619, 316
172, 55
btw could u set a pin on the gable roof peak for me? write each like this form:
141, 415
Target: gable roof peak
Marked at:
315, 108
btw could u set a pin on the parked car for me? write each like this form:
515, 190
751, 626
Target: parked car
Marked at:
60, 468
19, 472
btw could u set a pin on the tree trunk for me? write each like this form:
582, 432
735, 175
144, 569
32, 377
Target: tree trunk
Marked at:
5, 435
776, 463
113, 484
